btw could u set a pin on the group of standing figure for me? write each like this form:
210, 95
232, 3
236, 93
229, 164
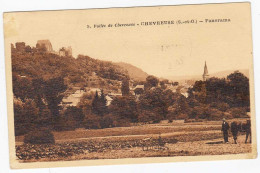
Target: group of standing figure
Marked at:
235, 128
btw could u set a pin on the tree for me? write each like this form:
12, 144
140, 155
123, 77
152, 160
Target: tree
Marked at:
53, 91
125, 87
41, 136
95, 103
239, 89
86, 103
22, 86
222, 106
26, 115
200, 91
124, 107
154, 100
99, 106
147, 116
238, 112
76, 114
163, 83
102, 104
151, 81
180, 107
92, 122
38, 93
234, 90
107, 121
192, 102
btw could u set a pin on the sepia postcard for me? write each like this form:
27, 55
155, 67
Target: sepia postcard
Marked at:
130, 85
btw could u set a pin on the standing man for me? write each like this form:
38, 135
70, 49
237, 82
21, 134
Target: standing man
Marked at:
248, 130
225, 128
234, 130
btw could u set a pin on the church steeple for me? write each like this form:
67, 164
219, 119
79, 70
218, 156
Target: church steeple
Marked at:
205, 75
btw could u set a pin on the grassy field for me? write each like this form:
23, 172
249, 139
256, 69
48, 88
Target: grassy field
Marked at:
181, 139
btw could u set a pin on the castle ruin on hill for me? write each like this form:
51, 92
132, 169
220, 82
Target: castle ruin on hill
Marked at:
64, 51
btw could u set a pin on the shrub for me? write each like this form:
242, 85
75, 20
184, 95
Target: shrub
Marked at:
170, 120
64, 124
92, 122
43, 136
222, 106
148, 116
25, 116
171, 116
227, 115
107, 121
215, 114
74, 113
196, 112
192, 120
122, 123
238, 112
206, 112
182, 116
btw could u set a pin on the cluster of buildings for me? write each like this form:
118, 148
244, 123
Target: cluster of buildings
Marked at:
73, 98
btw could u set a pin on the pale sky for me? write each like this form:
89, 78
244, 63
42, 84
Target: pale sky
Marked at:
165, 50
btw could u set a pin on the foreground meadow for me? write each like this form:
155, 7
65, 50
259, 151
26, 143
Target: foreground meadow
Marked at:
179, 138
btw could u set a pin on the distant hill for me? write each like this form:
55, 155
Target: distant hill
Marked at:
221, 74
133, 71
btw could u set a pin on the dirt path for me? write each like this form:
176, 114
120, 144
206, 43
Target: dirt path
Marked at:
202, 148
132, 137
130, 131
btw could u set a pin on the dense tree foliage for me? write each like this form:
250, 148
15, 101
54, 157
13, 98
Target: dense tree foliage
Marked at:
76, 114
99, 104
233, 91
125, 87
124, 107
53, 90
25, 116
157, 101
151, 81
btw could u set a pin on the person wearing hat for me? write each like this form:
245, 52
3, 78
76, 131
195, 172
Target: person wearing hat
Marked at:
248, 130
224, 129
234, 130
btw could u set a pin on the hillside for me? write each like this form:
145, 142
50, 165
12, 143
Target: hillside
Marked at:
134, 72
34, 63
223, 74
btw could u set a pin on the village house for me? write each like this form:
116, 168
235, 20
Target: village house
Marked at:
72, 99
138, 90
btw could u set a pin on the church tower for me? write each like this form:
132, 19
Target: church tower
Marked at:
205, 75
